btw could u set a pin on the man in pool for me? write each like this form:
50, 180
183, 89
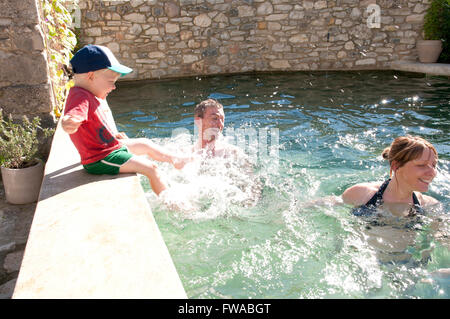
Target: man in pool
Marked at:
209, 118
213, 157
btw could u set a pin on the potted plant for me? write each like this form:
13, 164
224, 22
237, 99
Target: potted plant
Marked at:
21, 170
435, 28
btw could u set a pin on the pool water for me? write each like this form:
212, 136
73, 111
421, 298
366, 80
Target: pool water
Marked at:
258, 232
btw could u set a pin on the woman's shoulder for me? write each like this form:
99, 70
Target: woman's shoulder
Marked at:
361, 193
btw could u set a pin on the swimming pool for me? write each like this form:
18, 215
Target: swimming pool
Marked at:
324, 132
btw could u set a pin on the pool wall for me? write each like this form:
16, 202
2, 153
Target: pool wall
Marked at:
93, 237
161, 39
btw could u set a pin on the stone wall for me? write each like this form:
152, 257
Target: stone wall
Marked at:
24, 90
24, 82
195, 37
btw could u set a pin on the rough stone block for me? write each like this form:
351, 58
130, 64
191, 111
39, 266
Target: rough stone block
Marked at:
12, 261
152, 31
415, 18
189, 58
280, 64
172, 28
135, 17
24, 12
296, 15
31, 100
366, 62
299, 38
202, 20
320, 5
27, 39
23, 69
308, 5
93, 32
265, 8
273, 26
277, 17
246, 11
172, 10
7, 289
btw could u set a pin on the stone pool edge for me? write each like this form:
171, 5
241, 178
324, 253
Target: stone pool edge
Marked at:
427, 68
93, 237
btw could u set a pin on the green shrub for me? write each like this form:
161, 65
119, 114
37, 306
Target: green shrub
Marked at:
19, 143
437, 26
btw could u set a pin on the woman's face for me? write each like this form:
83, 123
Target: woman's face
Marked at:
420, 172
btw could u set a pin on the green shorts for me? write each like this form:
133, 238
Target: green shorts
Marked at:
110, 164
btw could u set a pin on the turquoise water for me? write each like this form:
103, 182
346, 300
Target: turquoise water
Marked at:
257, 233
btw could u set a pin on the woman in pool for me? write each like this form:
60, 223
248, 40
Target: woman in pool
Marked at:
413, 163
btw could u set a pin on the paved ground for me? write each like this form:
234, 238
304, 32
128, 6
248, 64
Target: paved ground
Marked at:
15, 223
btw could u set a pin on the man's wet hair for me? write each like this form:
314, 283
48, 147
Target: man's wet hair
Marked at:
201, 107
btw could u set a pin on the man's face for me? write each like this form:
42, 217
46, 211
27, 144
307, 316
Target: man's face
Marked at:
212, 123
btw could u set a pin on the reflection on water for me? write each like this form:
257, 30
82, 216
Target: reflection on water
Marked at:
251, 233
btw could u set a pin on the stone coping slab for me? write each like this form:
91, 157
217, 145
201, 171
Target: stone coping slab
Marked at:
93, 237
428, 68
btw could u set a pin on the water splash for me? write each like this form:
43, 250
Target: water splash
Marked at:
209, 187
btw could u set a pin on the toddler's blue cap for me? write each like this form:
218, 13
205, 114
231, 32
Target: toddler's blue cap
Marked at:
97, 57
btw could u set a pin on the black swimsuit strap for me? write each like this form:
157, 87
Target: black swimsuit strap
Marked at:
378, 196
376, 200
418, 209
416, 200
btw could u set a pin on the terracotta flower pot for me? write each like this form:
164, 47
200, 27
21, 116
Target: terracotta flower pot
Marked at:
429, 50
22, 185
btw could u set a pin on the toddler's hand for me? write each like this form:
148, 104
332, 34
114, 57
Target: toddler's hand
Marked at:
70, 124
121, 136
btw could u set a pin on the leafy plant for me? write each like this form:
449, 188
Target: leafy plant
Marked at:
437, 26
60, 43
19, 144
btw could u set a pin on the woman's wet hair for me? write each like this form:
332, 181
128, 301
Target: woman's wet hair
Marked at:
202, 106
406, 148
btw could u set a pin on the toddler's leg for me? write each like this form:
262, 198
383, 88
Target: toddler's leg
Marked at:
144, 146
144, 166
